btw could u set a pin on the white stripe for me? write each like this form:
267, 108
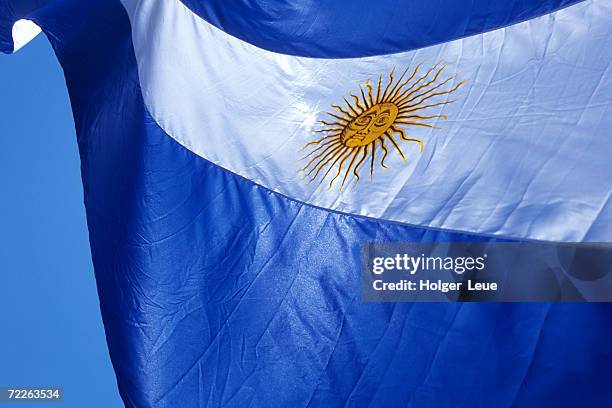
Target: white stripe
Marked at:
23, 32
525, 152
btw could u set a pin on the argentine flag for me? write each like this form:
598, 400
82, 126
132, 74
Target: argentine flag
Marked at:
236, 154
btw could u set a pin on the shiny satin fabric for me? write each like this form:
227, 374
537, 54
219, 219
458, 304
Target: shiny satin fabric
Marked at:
216, 291
359, 28
510, 138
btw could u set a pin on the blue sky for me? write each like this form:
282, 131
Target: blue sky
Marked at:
50, 325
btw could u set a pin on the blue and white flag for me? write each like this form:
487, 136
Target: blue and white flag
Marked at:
235, 154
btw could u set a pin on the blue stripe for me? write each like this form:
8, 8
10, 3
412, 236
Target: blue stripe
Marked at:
357, 28
215, 291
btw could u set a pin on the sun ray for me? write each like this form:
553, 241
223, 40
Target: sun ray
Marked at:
401, 99
370, 90
351, 108
416, 70
414, 123
341, 109
372, 155
433, 88
346, 156
400, 116
405, 138
358, 165
416, 83
316, 142
330, 149
405, 122
419, 102
433, 105
329, 132
350, 166
424, 99
390, 136
365, 100
323, 122
384, 95
331, 166
336, 130
327, 143
316, 162
386, 150
378, 89
397, 83
412, 86
324, 162
338, 117
356, 99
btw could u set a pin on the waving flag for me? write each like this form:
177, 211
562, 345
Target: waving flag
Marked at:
236, 154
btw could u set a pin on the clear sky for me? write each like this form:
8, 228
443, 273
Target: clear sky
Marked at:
50, 325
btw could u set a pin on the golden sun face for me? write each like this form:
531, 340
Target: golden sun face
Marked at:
370, 125
370, 122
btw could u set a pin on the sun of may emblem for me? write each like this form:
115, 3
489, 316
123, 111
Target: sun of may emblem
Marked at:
375, 122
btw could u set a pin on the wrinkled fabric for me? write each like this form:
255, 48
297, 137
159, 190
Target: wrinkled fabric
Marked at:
358, 28
215, 291
522, 144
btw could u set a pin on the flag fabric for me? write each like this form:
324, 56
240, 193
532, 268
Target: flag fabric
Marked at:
236, 154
